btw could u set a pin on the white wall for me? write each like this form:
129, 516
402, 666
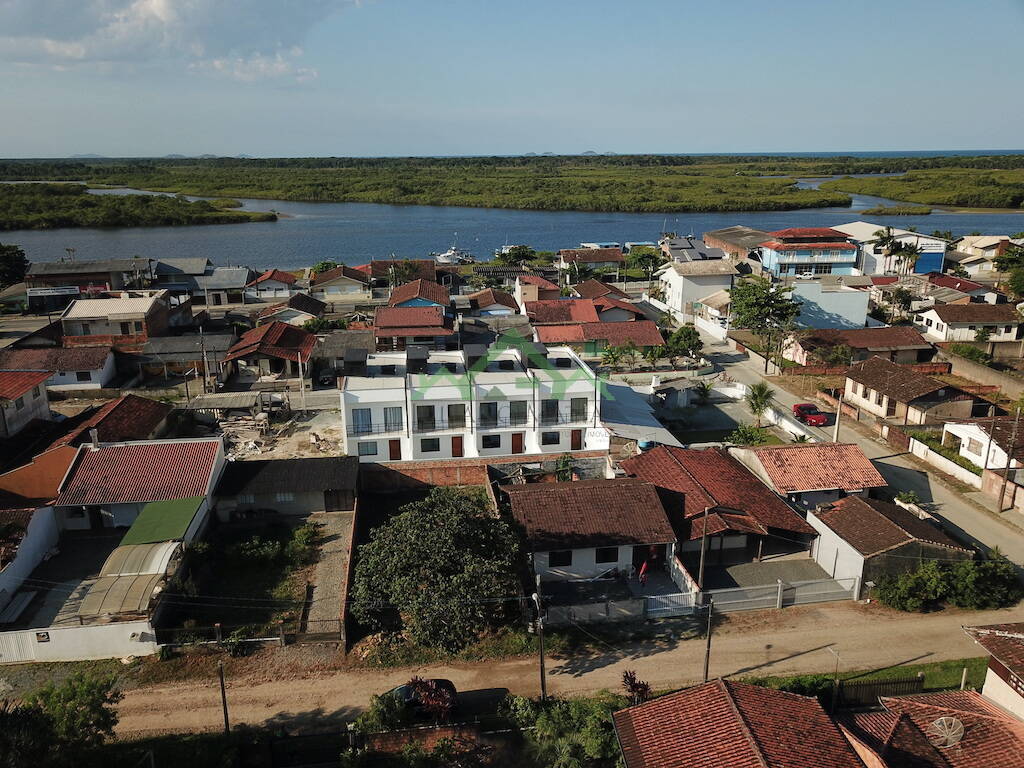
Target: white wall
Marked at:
98, 641
41, 536
35, 407
68, 380
933, 329
998, 691
584, 564
837, 558
964, 433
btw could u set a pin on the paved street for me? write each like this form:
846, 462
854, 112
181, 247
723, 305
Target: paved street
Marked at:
962, 516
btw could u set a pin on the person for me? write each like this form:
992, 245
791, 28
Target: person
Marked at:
643, 574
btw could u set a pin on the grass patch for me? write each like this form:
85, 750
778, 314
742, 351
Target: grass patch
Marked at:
938, 675
690, 436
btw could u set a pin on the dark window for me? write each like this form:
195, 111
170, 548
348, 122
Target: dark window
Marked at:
424, 417
517, 413
488, 414
83, 376
430, 445
138, 327
578, 407
1008, 329
490, 441
126, 328
19, 403
550, 438
607, 555
35, 392
549, 411
457, 415
560, 559
367, 449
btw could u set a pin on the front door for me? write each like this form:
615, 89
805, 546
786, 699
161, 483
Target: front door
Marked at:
395, 450
457, 446
576, 441
95, 519
517, 442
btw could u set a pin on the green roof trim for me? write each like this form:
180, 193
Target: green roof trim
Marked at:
163, 521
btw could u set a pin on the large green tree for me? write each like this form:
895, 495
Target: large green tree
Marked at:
647, 259
13, 265
441, 570
516, 256
766, 309
81, 708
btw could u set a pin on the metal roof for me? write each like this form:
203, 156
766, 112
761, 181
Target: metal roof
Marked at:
163, 521
184, 266
86, 267
111, 595
88, 308
222, 400
137, 559
224, 278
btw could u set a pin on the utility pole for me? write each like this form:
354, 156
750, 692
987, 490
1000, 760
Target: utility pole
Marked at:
540, 638
835, 681
991, 435
206, 367
223, 697
707, 632
703, 549
1009, 458
302, 386
839, 413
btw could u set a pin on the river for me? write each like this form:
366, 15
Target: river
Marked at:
354, 233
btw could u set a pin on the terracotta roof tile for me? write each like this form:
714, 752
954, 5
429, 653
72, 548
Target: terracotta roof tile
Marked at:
140, 472
992, 738
643, 333
872, 339
562, 311
956, 283
713, 478
54, 358
591, 255
411, 321
897, 381
976, 312
808, 232
1004, 641
40, 479
589, 513
893, 738
871, 526
560, 334
537, 280
337, 273
592, 289
420, 289
818, 467
129, 417
812, 246
14, 384
490, 296
604, 303
274, 339
275, 274
725, 724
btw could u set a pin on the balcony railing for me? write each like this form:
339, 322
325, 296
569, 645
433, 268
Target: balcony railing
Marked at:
374, 429
440, 425
564, 418
505, 422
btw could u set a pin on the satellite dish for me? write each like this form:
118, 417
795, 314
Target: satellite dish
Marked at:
945, 732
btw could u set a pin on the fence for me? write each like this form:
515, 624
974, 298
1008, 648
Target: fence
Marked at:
588, 613
663, 606
943, 464
865, 693
96, 641
782, 594
744, 598
820, 591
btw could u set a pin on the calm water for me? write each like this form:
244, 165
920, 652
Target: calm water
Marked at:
353, 233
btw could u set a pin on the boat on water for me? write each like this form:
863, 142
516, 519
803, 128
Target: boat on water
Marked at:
453, 255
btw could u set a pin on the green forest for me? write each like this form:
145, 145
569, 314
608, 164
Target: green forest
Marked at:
47, 206
956, 187
631, 183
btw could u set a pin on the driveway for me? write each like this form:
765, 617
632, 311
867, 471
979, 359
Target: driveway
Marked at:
964, 518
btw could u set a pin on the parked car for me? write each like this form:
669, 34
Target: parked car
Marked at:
410, 694
809, 414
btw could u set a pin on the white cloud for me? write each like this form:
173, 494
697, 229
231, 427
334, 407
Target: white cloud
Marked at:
244, 39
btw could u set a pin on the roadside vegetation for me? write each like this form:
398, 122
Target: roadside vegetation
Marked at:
974, 584
934, 441
48, 206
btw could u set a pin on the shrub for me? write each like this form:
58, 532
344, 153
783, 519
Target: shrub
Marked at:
746, 434
908, 497
933, 442
975, 584
971, 353
257, 548
915, 592
386, 712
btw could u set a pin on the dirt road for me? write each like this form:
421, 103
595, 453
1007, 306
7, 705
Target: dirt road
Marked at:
751, 644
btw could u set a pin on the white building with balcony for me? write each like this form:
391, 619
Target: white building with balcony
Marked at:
478, 402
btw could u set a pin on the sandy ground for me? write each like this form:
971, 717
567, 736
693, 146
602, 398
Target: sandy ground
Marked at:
792, 641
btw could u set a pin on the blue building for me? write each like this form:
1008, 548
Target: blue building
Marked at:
808, 251
421, 293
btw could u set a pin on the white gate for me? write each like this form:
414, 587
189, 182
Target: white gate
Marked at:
15, 647
660, 606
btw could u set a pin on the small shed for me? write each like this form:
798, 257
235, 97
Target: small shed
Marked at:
288, 486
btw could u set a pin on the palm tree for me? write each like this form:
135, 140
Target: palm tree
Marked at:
703, 389
653, 354
759, 399
886, 240
611, 357
908, 254
630, 353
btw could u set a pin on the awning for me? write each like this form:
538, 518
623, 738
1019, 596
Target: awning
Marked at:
111, 595
136, 559
163, 521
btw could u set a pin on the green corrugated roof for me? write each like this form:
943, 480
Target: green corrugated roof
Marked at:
162, 521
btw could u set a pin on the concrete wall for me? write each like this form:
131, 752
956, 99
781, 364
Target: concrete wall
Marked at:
1012, 386
835, 556
41, 536
997, 690
940, 462
34, 406
830, 309
584, 564
611, 610
97, 641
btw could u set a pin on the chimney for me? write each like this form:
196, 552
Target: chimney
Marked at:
94, 438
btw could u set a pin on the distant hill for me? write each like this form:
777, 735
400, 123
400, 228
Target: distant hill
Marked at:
173, 157
88, 157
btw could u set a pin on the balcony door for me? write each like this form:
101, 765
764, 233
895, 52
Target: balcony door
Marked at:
457, 447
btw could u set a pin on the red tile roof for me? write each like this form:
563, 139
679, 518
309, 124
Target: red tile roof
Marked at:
883, 280
54, 358
40, 479
560, 334
808, 232
275, 274
713, 478
140, 472
411, 321
592, 288
420, 289
352, 273
872, 527
425, 269
537, 280
976, 312
275, 339
14, 384
956, 283
894, 739
129, 417
725, 724
897, 381
872, 339
604, 303
802, 467
490, 296
992, 738
643, 333
591, 255
589, 513
562, 311
1004, 641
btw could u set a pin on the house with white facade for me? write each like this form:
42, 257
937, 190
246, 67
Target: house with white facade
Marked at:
1004, 678
962, 322
70, 369
808, 251
298, 310
888, 390
685, 283
592, 528
830, 304
508, 400
872, 258
986, 442
272, 284
977, 253
340, 284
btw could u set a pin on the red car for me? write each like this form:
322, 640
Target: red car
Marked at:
809, 414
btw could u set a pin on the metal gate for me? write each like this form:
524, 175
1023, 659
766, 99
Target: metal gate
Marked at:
661, 606
16, 646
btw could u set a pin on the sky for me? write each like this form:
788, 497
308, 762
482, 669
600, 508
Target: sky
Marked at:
131, 78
